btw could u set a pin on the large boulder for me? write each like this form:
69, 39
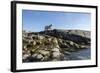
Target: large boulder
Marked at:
56, 54
43, 52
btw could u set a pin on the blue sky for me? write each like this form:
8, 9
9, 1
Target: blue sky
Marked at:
36, 20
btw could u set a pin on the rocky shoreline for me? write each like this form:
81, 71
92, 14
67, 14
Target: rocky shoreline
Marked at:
51, 45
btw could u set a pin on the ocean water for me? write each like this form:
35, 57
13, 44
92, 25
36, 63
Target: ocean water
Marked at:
84, 54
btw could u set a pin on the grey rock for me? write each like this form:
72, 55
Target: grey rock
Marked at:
55, 50
56, 54
39, 56
44, 52
52, 45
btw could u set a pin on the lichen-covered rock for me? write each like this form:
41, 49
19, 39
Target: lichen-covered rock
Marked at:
25, 56
54, 41
55, 50
56, 54
52, 45
43, 52
39, 56
40, 37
